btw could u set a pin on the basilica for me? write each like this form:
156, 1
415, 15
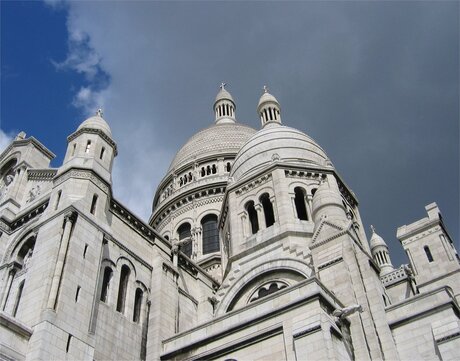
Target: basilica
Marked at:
254, 250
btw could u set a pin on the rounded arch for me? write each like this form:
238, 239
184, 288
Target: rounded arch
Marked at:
17, 243
245, 284
179, 224
210, 234
206, 212
9, 164
123, 261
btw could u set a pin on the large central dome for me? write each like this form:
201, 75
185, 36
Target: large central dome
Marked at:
221, 138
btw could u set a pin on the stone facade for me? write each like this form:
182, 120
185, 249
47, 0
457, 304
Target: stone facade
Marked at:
255, 250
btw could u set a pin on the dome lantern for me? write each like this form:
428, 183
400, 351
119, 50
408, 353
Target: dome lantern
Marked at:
269, 109
224, 106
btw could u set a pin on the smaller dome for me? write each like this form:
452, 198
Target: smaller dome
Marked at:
223, 94
267, 98
281, 143
376, 240
96, 122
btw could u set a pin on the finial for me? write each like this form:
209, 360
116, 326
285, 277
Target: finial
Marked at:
265, 89
222, 86
372, 228
99, 113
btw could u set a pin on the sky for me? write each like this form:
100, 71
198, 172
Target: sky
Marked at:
376, 84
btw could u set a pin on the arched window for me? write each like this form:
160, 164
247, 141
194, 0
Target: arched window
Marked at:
428, 254
203, 172
88, 146
18, 298
252, 214
268, 209
214, 169
106, 283
137, 305
124, 277
228, 167
208, 170
313, 191
102, 153
184, 231
299, 201
210, 234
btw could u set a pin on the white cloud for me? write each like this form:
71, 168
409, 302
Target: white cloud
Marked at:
116, 83
5, 140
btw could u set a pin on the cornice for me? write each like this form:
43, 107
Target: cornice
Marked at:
46, 174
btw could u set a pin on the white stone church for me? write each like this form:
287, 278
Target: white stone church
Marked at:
255, 250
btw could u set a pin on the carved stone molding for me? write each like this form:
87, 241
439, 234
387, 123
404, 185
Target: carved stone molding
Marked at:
82, 174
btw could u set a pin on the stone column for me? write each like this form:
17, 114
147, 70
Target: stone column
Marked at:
69, 219
244, 224
220, 166
260, 217
309, 200
9, 282
275, 210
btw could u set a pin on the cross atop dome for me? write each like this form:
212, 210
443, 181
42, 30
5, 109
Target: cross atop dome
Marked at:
222, 86
99, 113
265, 89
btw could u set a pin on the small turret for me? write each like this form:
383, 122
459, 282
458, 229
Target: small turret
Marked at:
269, 109
327, 203
379, 251
91, 147
224, 106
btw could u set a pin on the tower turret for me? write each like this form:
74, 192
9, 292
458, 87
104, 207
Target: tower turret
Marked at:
327, 202
91, 147
269, 109
224, 106
380, 254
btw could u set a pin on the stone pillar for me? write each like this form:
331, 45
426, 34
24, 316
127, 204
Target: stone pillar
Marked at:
308, 200
260, 217
220, 166
275, 210
69, 219
244, 225
9, 282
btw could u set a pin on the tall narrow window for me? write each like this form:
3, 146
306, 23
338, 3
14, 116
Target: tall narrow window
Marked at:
428, 253
299, 201
93, 204
210, 234
102, 153
124, 277
252, 214
214, 169
18, 299
73, 149
208, 170
268, 209
67, 348
77, 293
137, 305
184, 232
106, 283
228, 168
58, 199
88, 146
313, 191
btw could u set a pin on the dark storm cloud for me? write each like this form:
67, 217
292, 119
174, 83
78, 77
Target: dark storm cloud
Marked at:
376, 84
